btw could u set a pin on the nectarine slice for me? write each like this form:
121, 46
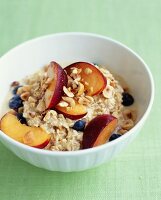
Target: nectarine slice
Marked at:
54, 92
32, 136
98, 131
92, 78
76, 112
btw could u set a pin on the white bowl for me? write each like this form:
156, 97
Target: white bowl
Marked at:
70, 47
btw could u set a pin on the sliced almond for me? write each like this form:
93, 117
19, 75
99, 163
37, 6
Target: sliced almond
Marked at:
63, 104
67, 92
69, 100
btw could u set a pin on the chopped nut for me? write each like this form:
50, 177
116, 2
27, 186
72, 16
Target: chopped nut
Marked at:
45, 68
32, 114
48, 81
23, 89
87, 71
90, 98
41, 106
128, 124
77, 79
24, 96
83, 101
80, 89
26, 88
122, 131
107, 93
126, 89
20, 90
69, 100
31, 99
129, 114
63, 104
67, 92
113, 84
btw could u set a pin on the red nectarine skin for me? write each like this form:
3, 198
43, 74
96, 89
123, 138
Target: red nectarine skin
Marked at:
73, 117
54, 92
77, 112
43, 145
94, 129
96, 80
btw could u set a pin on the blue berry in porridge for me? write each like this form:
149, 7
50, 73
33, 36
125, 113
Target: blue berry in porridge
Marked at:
15, 102
114, 136
21, 118
79, 125
127, 99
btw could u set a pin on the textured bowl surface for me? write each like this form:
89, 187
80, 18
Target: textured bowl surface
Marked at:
71, 47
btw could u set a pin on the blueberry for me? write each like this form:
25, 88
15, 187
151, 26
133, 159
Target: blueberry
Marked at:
127, 99
79, 125
14, 91
21, 118
15, 102
114, 136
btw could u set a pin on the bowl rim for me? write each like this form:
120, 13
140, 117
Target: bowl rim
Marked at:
97, 148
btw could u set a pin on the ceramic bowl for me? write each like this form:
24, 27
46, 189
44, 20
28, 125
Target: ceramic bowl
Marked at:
71, 47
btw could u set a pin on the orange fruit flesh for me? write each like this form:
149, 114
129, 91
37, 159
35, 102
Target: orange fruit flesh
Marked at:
78, 109
105, 133
12, 127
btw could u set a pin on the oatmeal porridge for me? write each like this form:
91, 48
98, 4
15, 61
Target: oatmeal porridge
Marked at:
78, 107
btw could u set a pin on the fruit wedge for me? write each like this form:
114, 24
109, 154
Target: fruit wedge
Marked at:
98, 131
93, 80
54, 92
32, 136
76, 112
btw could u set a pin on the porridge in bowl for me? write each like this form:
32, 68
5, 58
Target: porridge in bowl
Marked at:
78, 107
